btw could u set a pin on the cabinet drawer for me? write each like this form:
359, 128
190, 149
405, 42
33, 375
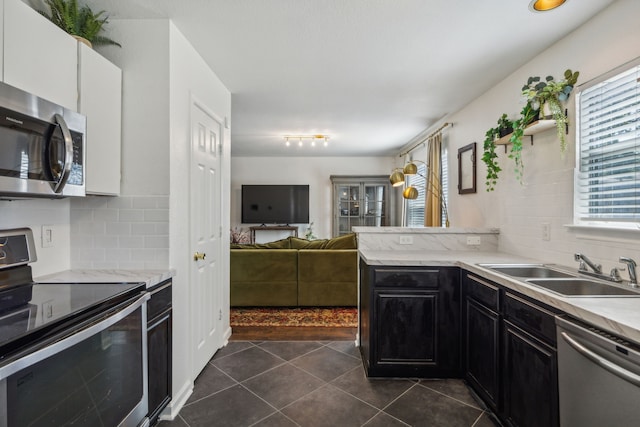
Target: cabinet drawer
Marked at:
532, 318
406, 278
160, 300
482, 291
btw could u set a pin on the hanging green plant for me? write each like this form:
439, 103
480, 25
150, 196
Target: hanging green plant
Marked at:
489, 156
527, 115
78, 21
552, 93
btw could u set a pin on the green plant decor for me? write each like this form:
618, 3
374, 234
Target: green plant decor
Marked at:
527, 115
78, 21
489, 156
553, 93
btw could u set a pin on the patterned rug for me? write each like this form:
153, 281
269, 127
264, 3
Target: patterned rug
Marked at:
331, 317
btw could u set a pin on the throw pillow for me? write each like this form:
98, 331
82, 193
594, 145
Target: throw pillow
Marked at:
298, 243
348, 241
278, 244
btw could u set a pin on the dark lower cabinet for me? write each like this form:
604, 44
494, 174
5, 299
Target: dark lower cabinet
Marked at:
510, 354
482, 353
410, 321
159, 340
530, 380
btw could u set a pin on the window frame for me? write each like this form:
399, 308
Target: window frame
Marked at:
579, 219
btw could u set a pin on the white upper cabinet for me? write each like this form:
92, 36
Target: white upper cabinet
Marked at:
100, 88
39, 57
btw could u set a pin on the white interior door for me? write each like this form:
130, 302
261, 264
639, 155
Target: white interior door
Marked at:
206, 229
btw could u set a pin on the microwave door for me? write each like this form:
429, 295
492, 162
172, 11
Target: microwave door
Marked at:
59, 154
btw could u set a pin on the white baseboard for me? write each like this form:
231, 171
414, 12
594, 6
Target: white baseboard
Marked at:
177, 402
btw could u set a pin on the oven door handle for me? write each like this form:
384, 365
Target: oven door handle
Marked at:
73, 339
601, 361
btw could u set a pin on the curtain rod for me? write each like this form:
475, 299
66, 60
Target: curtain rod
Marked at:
446, 124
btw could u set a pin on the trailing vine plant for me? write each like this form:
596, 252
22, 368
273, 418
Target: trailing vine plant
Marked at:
527, 115
489, 156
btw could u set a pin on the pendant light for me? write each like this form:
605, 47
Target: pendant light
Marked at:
544, 5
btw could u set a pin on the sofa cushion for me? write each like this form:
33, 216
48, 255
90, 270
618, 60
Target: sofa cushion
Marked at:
298, 243
264, 277
327, 277
278, 244
348, 241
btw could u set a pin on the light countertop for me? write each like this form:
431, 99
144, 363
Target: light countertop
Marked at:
149, 277
620, 315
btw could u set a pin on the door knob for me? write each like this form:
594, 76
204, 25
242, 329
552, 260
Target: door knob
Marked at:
199, 255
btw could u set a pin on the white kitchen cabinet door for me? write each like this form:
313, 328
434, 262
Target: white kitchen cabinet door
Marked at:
39, 57
100, 88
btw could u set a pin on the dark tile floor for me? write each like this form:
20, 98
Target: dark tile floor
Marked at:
309, 383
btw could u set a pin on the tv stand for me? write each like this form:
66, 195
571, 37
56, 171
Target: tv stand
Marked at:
272, 228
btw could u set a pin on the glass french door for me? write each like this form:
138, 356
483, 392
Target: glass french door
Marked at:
359, 203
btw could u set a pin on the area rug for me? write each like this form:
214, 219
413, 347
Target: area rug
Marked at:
328, 317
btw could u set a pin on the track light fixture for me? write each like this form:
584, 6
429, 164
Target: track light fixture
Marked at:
313, 138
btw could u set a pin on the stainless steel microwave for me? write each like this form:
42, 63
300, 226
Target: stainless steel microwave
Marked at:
42, 147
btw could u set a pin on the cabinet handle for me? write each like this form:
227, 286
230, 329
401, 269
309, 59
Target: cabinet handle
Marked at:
199, 256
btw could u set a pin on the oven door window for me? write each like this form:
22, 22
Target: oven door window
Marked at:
96, 382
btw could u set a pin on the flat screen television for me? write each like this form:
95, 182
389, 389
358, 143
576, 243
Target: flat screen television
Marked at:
275, 204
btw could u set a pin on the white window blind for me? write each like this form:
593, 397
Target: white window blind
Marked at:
608, 169
415, 208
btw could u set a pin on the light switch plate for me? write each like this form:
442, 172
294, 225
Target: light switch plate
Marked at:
47, 236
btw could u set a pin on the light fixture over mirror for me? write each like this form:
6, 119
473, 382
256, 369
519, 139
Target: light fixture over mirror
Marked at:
544, 5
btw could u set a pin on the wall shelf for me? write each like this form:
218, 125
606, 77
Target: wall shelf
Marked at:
532, 129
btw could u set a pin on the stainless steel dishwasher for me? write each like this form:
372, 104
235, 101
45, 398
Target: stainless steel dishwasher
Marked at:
598, 377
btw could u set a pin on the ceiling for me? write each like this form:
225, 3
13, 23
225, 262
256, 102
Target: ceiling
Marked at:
372, 74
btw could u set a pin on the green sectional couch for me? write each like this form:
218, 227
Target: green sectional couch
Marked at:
295, 272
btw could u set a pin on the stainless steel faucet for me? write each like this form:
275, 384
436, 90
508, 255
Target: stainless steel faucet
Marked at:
584, 261
631, 266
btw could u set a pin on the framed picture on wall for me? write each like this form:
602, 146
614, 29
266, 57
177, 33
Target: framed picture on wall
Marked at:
467, 169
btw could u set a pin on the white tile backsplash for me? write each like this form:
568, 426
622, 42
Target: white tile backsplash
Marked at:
127, 232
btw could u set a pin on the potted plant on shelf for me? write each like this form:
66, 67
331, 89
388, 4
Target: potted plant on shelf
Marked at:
551, 94
80, 22
489, 156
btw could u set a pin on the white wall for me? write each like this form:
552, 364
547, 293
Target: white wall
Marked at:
605, 42
191, 77
314, 171
34, 214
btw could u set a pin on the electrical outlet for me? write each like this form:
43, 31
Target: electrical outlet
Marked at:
546, 231
474, 240
406, 240
47, 236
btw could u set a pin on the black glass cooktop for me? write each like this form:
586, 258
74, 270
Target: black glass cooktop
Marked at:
51, 306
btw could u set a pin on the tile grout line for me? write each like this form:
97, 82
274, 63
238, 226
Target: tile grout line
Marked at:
450, 397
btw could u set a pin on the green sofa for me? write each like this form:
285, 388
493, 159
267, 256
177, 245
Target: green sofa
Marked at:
295, 272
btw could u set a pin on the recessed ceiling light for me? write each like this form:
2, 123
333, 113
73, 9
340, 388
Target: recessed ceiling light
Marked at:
544, 5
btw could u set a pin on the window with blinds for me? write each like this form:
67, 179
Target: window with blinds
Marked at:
608, 166
415, 208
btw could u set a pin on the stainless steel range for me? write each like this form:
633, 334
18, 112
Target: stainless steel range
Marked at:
70, 354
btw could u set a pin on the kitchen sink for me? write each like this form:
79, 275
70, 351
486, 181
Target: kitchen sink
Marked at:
582, 287
527, 270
